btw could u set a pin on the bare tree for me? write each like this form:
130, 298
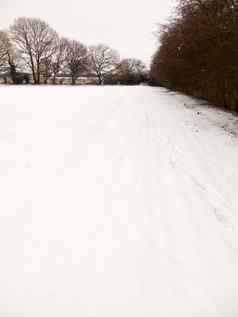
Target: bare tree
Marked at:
36, 41
76, 60
59, 57
132, 71
46, 69
4, 47
8, 56
53, 64
103, 61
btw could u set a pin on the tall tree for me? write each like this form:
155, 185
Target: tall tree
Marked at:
103, 61
76, 61
8, 56
132, 71
198, 51
46, 70
36, 41
59, 57
4, 48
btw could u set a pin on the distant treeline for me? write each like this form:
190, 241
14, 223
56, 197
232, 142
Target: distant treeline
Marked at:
198, 52
32, 52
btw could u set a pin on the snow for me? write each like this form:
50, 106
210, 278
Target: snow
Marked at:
116, 201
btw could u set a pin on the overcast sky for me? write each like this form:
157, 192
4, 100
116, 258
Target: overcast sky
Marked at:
126, 25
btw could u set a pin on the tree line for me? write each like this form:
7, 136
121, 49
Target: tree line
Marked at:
198, 51
32, 46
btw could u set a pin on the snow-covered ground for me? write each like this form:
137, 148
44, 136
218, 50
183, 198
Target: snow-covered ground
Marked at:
116, 202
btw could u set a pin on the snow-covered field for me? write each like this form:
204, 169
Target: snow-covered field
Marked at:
116, 202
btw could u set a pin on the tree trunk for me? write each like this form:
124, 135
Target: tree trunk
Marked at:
73, 80
32, 67
12, 71
100, 81
38, 72
54, 79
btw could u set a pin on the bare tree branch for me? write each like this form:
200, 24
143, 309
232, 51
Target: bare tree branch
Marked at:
36, 41
103, 61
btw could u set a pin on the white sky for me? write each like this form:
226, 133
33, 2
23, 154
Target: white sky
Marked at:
126, 25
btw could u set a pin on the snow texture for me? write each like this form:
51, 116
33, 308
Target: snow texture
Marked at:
116, 202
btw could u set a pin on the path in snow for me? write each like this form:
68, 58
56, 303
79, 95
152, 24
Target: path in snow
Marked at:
116, 202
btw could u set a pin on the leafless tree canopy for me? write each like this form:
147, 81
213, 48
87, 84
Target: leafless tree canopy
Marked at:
76, 59
32, 51
59, 57
103, 61
4, 48
132, 71
9, 58
36, 42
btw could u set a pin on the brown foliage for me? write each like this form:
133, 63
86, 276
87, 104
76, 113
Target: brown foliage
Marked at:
198, 51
